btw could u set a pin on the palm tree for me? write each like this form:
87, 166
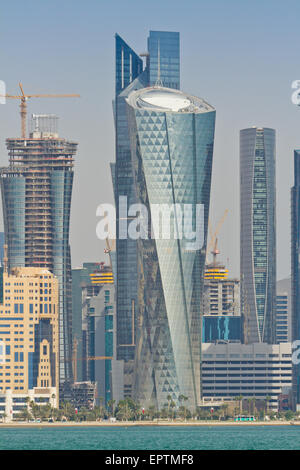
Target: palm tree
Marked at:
169, 398
111, 404
181, 399
236, 399
240, 397
173, 406
223, 409
268, 398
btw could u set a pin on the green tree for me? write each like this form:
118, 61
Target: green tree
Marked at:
268, 398
289, 415
182, 399
111, 405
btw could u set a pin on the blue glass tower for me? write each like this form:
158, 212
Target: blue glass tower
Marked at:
164, 59
172, 137
130, 76
36, 197
258, 234
295, 267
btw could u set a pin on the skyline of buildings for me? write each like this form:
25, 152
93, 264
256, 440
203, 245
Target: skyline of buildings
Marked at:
146, 342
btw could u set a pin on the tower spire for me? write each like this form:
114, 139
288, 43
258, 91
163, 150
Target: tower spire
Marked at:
158, 81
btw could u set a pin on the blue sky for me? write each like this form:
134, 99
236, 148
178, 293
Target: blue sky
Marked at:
240, 56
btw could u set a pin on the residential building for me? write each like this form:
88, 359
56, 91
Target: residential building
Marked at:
172, 136
258, 234
29, 337
221, 296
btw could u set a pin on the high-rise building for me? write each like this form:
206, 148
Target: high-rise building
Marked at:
295, 268
105, 372
258, 234
282, 318
172, 136
221, 296
29, 335
163, 59
36, 197
87, 282
131, 76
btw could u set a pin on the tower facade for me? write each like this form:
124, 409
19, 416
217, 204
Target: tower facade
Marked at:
295, 266
172, 137
130, 76
36, 197
258, 234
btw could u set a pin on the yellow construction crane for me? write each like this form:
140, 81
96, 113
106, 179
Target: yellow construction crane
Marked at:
213, 241
91, 358
23, 105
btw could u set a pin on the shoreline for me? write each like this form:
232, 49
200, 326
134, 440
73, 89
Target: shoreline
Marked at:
148, 423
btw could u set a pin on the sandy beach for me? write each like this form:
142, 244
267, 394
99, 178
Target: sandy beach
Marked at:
147, 423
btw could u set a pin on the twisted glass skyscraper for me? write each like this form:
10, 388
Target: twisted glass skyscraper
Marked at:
172, 137
258, 234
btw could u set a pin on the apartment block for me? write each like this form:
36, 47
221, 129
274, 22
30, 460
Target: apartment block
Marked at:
29, 337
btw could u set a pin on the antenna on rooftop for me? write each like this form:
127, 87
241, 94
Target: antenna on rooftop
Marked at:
158, 81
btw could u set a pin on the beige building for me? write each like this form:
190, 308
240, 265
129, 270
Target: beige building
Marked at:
29, 338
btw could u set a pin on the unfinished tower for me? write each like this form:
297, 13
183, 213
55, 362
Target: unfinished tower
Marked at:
36, 197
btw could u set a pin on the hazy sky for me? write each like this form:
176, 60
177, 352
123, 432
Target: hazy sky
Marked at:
240, 56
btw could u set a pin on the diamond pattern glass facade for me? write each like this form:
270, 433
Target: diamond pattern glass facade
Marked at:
172, 161
258, 237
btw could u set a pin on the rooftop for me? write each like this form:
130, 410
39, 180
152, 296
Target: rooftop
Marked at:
158, 98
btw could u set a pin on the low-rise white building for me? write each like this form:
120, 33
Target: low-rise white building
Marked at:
12, 404
257, 370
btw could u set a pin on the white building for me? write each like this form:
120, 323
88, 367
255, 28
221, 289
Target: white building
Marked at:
257, 370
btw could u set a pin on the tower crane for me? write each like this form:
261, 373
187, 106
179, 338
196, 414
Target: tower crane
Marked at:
23, 104
214, 241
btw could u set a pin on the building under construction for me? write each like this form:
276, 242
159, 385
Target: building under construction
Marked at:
36, 196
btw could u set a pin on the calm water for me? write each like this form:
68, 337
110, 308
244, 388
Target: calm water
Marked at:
152, 438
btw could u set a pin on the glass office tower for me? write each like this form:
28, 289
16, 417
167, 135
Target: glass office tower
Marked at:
258, 234
164, 59
131, 76
172, 137
36, 192
295, 265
